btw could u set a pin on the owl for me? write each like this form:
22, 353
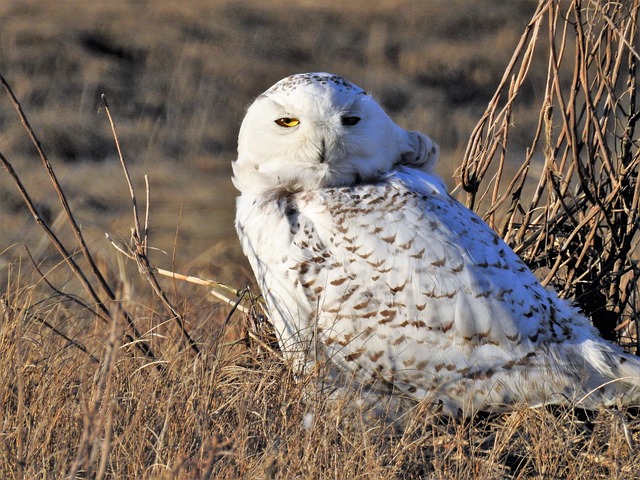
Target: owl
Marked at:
370, 268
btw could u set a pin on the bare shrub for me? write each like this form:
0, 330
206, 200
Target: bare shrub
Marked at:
571, 209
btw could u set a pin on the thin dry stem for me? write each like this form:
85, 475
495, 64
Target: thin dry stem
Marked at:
138, 247
134, 335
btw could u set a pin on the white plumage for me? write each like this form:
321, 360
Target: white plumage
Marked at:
366, 263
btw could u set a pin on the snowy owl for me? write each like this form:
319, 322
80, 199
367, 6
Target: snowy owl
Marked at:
367, 264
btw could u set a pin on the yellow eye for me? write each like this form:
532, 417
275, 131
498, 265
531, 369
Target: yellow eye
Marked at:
287, 122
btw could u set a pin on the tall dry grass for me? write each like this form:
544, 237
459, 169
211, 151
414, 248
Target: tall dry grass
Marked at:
229, 413
107, 373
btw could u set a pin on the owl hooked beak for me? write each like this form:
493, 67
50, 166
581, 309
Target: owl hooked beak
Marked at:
323, 151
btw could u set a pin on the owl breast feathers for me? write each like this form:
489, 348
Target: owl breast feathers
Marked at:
368, 265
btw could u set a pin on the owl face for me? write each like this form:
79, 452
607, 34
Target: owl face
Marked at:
318, 130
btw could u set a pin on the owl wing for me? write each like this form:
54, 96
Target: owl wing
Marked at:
404, 287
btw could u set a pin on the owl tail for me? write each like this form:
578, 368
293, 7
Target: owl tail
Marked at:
589, 374
613, 376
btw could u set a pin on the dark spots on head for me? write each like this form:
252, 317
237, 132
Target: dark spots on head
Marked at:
406, 246
323, 151
509, 365
346, 340
513, 338
361, 305
368, 332
308, 284
301, 267
377, 264
384, 321
483, 294
525, 360
485, 375
409, 361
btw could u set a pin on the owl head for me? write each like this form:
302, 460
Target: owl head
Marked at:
315, 130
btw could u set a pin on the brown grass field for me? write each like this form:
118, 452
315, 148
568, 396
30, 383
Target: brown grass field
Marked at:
102, 381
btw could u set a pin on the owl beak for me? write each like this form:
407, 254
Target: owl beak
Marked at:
323, 151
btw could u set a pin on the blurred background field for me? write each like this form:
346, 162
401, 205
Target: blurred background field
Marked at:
178, 77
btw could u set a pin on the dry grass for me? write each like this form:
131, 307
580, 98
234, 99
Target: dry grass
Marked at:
227, 414
107, 373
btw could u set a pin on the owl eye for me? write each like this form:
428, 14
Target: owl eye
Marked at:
349, 121
287, 122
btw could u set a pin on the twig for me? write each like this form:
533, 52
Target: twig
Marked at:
142, 346
72, 298
74, 343
132, 192
209, 283
228, 301
52, 236
138, 248
236, 304
199, 281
